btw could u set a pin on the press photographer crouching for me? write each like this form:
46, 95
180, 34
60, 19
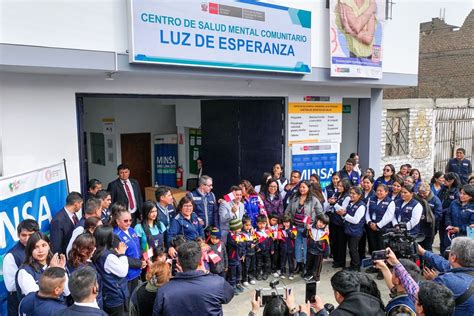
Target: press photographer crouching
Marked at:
456, 273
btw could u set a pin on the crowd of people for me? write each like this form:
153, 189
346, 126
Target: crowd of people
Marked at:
158, 258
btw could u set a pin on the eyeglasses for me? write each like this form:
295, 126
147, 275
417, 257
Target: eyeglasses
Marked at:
387, 169
127, 220
209, 185
187, 205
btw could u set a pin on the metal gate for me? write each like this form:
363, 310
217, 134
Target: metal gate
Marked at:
454, 129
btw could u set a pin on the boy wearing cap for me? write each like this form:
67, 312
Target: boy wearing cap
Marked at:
236, 253
218, 262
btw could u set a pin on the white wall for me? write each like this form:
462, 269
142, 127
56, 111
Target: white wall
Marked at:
132, 115
350, 130
103, 26
39, 111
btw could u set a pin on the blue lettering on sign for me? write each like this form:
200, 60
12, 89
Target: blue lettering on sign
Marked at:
324, 165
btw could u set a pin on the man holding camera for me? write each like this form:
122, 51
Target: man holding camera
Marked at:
456, 273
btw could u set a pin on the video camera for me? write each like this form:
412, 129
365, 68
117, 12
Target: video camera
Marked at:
266, 294
401, 242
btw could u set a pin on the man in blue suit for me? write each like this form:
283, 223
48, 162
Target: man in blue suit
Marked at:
64, 222
84, 288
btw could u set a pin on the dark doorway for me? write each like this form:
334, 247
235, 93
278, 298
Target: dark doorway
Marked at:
241, 139
136, 152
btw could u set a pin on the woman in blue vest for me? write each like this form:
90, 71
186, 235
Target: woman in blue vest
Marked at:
367, 184
461, 212
112, 266
354, 220
416, 175
408, 210
331, 189
38, 257
122, 220
105, 201
379, 216
437, 182
80, 256
335, 208
448, 194
387, 177
277, 174
151, 231
397, 186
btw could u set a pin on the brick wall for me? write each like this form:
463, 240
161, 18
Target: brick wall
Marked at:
446, 67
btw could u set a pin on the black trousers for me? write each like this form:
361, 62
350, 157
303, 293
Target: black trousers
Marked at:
13, 303
248, 269
375, 239
263, 262
363, 244
287, 257
234, 274
314, 264
353, 243
337, 240
276, 259
115, 311
427, 243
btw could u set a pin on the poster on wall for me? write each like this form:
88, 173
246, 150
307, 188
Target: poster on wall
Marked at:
356, 28
194, 149
320, 158
237, 34
166, 158
314, 122
36, 195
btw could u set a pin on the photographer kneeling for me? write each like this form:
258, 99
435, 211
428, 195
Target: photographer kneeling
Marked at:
277, 306
457, 273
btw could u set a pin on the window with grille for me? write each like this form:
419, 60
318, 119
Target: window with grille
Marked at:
396, 133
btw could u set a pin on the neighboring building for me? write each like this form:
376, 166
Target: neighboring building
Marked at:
426, 123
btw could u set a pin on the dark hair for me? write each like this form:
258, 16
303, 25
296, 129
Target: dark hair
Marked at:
384, 187
261, 219
412, 171
185, 199
296, 171
272, 215
90, 223
276, 307
93, 183
461, 150
337, 173
399, 180
30, 246
82, 249
264, 182
102, 194
452, 176
436, 176
50, 279
246, 219
148, 205
345, 282
297, 194
392, 168
315, 175
266, 193
436, 299
73, 197
469, 190
370, 178
368, 285
161, 191
81, 283
346, 184
104, 238
408, 165
92, 205
470, 178
371, 170
177, 241
116, 211
122, 166
353, 155
189, 255
29, 225
248, 186
357, 190
351, 161
235, 188
411, 268
286, 218
317, 191
409, 187
323, 218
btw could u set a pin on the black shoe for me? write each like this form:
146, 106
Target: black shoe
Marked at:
303, 270
372, 270
298, 268
337, 265
265, 277
380, 276
240, 287
259, 277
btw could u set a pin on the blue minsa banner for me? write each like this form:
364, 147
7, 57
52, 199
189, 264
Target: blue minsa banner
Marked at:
166, 157
37, 195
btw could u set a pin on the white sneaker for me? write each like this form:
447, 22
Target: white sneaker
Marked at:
245, 283
282, 276
276, 275
252, 282
291, 277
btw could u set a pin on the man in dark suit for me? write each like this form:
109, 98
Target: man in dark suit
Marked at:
64, 222
126, 191
84, 288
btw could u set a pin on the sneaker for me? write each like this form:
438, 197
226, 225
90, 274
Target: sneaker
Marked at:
236, 292
245, 284
291, 277
240, 287
282, 276
252, 281
265, 277
308, 277
276, 275
259, 277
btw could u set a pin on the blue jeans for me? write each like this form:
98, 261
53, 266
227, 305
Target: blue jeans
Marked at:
300, 246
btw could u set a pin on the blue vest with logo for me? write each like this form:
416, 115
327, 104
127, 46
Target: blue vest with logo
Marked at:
377, 211
402, 300
133, 249
355, 230
203, 202
404, 214
35, 274
114, 288
367, 198
330, 191
335, 218
18, 253
33, 304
